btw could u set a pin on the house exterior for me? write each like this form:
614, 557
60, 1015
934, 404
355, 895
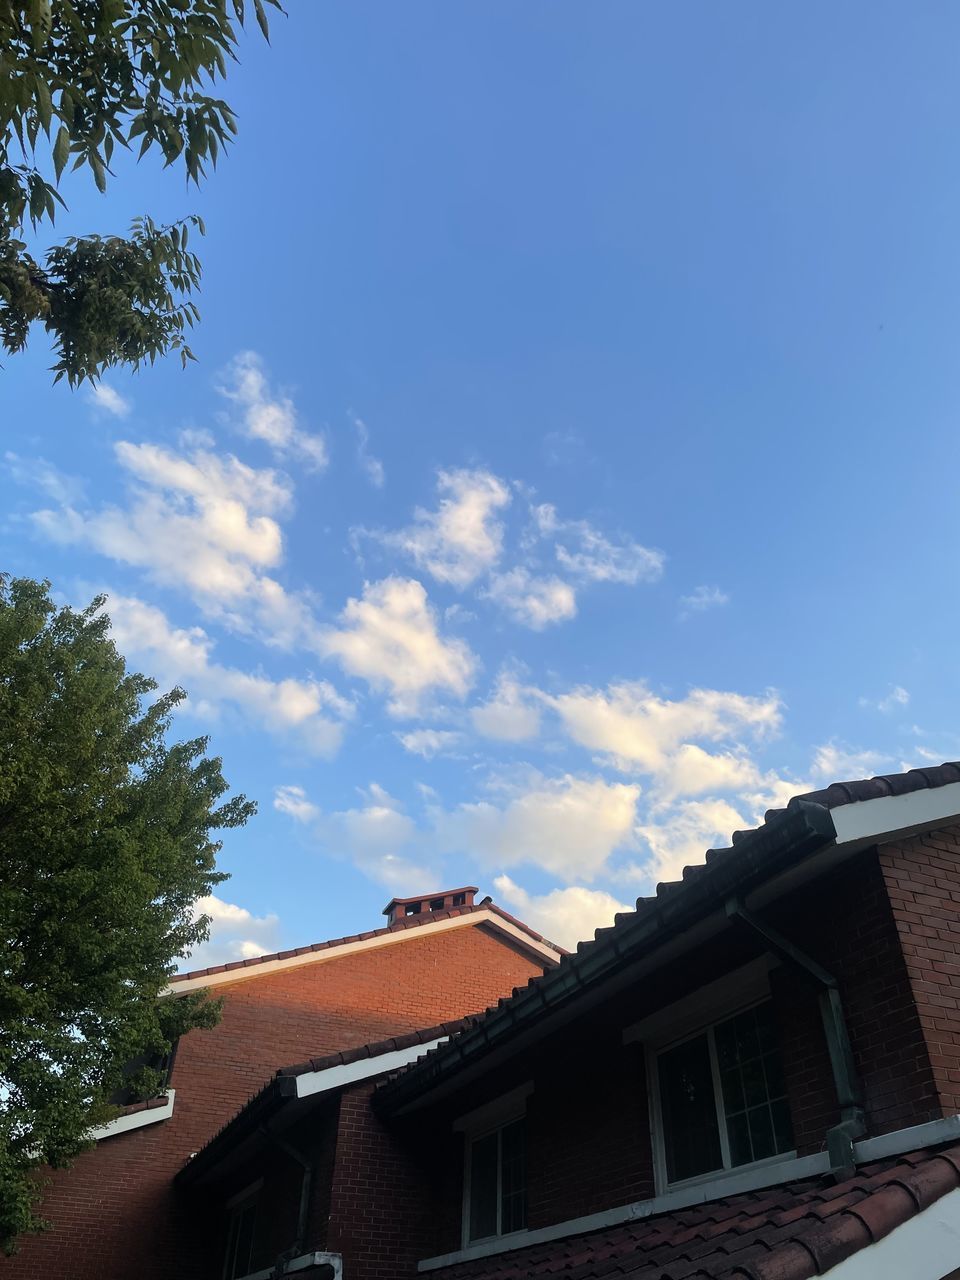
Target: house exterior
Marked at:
754, 1075
116, 1213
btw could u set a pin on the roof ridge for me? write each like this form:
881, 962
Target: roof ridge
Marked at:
422, 920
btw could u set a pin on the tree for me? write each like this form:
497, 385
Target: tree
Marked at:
106, 842
77, 79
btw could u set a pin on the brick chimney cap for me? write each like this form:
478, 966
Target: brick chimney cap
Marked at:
429, 897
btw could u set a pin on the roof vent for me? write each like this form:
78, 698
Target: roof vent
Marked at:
398, 909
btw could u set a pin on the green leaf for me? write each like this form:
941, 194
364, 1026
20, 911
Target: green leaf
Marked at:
61, 150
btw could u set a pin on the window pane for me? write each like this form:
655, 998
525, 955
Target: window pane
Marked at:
513, 1177
754, 1093
240, 1240
689, 1110
483, 1187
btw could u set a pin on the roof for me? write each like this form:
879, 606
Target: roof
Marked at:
378, 1047
421, 921
281, 1089
790, 1232
784, 838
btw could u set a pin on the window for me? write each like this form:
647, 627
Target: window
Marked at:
496, 1200
240, 1236
721, 1097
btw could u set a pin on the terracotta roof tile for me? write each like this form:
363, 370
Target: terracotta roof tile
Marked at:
791, 1232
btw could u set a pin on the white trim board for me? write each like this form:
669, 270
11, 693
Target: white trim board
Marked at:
925, 1247
313, 1082
890, 817
136, 1119
365, 944
305, 1260
752, 1178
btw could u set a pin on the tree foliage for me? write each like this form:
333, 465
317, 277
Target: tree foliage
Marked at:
79, 78
107, 838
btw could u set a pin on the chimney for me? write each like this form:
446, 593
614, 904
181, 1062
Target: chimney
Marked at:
398, 909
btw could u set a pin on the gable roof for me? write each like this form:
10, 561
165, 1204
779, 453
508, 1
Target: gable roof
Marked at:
912, 800
372, 1059
485, 912
790, 1232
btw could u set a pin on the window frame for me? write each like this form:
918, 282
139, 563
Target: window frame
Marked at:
235, 1207
654, 1050
481, 1123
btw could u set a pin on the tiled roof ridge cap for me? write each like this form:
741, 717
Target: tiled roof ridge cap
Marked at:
423, 920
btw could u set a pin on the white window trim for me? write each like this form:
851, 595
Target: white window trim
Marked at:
249, 1195
749, 1178
662, 1183
480, 1123
315, 1259
136, 1119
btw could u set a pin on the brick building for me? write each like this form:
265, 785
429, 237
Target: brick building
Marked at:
117, 1214
753, 1076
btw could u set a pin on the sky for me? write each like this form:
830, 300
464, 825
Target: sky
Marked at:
569, 470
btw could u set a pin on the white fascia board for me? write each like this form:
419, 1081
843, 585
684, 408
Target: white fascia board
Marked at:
305, 1260
136, 1119
888, 817
312, 1082
365, 944
925, 1247
754, 1178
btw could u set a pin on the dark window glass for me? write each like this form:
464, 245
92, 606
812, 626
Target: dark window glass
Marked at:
513, 1177
754, 1093
240, 1240
483, 1186
689, 1110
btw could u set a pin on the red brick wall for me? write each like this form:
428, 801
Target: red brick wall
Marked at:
923, 880
380, 1199
115, 1213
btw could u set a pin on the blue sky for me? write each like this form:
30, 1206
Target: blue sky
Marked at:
569, 472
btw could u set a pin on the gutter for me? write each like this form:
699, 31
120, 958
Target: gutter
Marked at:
757, 856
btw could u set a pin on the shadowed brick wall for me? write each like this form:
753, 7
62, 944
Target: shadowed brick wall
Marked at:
115, 1214
923, 880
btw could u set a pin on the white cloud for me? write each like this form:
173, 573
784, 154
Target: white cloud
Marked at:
371, 466
565, 916
589, 554
377, 836
429, 742
462, 539
682, 838
389, 638
235, 934
837, 762
293, 801
533, 602
897, 697
308, 711
508, 715
267, 416
638, 730
104, 398
570, 826
198, 522
701, 599
38, 473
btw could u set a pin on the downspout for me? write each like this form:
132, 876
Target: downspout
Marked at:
841, 1137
